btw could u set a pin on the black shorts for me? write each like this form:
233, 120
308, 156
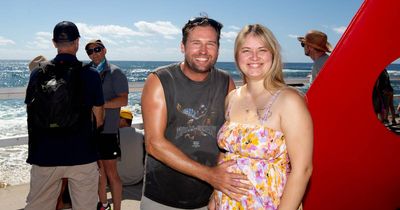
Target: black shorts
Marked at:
108, 146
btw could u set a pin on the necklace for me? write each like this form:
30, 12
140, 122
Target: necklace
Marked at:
258, 112
252, 103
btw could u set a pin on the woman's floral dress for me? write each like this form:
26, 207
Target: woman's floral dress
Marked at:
260, 153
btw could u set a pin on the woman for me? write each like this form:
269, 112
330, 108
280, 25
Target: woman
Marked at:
268, 129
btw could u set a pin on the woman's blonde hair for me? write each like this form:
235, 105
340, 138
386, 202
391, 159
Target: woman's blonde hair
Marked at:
274, 77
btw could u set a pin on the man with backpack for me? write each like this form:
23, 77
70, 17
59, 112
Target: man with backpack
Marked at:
64, 105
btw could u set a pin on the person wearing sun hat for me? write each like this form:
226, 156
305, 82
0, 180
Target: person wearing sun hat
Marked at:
131, 165
126, 114
316, 46
34, 63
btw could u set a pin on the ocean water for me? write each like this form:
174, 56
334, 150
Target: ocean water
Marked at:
15, 73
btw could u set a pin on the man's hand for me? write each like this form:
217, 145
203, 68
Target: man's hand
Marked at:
232, 184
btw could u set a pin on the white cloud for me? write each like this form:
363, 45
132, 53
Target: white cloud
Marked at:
4, 41
293, 36
229, 35
234, 28
340, 30
169, 37
45, 34
42, 41
100, 31
115, 34
164, 28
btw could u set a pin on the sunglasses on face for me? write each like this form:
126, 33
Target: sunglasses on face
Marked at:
202, 20
302, 44
94, 50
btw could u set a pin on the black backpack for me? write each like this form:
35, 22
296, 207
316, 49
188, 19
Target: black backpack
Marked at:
57, 101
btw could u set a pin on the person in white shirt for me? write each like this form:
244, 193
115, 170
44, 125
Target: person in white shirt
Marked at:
131, 165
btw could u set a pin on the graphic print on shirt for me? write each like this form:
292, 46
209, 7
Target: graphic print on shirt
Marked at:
198, 124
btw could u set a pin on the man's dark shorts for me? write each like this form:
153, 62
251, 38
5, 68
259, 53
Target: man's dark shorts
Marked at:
109, 146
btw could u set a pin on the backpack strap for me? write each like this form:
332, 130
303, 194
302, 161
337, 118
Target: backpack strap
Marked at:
45, 65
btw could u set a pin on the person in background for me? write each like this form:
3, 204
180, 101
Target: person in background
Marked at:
268, 131
64, 200
182, 110
34, 63
377, 101
385, 90
316, 46
115, 90
131, 166
59, 151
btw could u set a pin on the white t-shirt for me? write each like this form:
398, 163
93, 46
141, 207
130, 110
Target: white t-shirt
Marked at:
130, 166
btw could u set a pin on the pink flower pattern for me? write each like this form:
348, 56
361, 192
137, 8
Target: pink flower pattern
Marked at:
260, 153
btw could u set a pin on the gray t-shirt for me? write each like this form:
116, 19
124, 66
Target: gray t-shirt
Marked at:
131, 166
114, 83
318, 64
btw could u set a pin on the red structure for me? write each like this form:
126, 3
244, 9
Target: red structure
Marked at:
356, 159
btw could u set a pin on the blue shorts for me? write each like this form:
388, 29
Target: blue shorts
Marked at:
108, 146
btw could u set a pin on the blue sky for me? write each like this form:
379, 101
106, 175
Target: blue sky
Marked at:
150, 30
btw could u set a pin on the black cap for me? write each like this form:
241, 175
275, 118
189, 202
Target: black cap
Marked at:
65, 31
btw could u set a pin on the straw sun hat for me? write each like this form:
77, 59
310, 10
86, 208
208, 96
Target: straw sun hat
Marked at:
35, 62
317, 40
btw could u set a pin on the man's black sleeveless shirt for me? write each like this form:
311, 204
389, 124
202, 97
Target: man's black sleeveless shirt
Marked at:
195, 113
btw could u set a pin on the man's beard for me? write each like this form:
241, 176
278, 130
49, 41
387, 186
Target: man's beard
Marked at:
195, 68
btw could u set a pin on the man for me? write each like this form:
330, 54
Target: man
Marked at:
61, 129
115, 90
316, 46
182, 109
130, 167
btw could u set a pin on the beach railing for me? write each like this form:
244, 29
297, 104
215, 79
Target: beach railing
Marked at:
13, 141
23, 139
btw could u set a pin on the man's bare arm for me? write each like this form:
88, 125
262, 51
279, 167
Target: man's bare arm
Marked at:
120, 101
98, 112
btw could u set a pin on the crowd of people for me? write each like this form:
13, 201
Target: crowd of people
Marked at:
208, 144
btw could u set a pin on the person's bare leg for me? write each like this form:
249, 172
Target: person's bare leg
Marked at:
392, 110
102, 183
110, 167
60, 200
